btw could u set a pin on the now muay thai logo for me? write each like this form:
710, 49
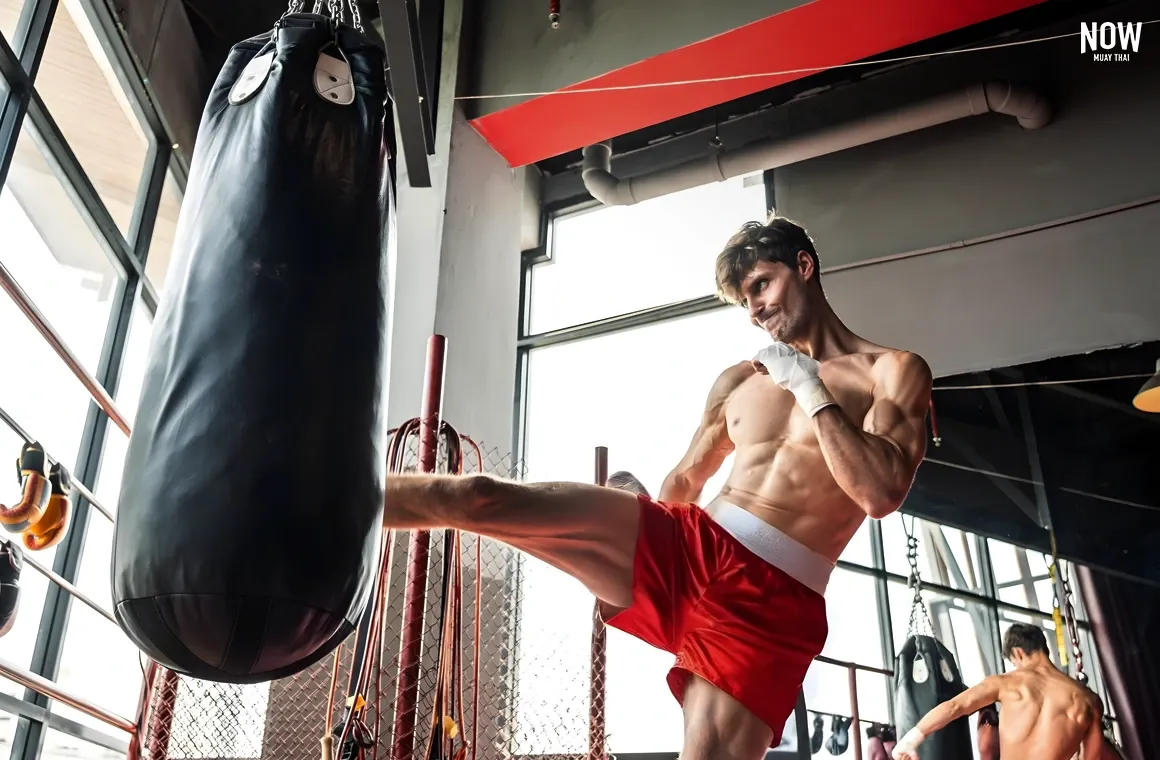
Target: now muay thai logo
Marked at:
1110, 42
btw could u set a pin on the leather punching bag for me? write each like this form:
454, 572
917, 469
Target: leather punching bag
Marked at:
249, 517
926, 675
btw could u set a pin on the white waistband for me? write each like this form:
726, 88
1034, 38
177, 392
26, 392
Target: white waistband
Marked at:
796, 560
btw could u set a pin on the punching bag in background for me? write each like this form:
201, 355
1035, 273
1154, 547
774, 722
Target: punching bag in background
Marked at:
925, 676
248, 523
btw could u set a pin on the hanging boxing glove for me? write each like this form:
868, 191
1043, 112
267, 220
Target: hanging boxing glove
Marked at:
53, 523
35, 490
817, 737
11, 563
839, 739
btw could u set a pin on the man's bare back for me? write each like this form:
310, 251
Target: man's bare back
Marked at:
780, 472
1044, 714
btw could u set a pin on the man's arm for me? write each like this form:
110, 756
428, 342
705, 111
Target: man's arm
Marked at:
970, 701
875, 463
710, 445
1093, 742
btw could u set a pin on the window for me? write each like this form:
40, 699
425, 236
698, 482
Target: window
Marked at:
1021, 576
164, 230
61, 260
61, 746
9, 20
79, 85
612, 384
618, 259
99, 662
946, 555
8, 723
53, 254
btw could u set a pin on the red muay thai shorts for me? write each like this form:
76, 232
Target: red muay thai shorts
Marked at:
738, 602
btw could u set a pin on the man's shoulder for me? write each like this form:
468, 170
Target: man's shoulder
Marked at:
895, 367
735, 374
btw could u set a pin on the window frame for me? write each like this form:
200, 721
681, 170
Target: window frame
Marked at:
20, 60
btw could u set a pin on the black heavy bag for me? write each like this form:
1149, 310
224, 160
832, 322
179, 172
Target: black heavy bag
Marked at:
251, 506
925, 676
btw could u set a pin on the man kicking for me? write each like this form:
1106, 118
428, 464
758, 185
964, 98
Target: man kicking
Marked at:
826, 429
1044, 714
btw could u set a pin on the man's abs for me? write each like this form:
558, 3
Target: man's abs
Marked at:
786, 489
779, 472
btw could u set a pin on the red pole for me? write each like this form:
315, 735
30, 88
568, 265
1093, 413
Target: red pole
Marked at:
415, 600
596, 731
855, 718
161, 717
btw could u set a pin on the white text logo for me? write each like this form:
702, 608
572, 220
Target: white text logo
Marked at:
1109, 41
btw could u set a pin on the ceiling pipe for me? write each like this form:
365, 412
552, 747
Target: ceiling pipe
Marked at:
1030, 108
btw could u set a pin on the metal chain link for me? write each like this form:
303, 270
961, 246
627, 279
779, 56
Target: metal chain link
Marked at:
336, 8
918, 611
1072, 629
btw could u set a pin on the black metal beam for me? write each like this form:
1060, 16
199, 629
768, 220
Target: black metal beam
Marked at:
408, 80
623, 322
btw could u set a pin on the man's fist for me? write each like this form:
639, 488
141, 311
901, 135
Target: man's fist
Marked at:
795, 372
907, 746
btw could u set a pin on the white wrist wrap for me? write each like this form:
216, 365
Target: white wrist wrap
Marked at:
910, 742
813, 397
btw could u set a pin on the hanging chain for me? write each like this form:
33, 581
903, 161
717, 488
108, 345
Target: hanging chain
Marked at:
336, 8
1072, 629
918, 611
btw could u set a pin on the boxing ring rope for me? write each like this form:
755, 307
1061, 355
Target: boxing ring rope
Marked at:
38, 320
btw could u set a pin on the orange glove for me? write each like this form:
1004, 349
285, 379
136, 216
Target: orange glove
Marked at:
53, 524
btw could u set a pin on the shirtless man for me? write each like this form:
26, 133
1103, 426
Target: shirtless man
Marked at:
1044, 715
827, 429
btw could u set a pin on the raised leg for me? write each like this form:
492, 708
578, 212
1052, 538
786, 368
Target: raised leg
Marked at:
586, 531
718, 727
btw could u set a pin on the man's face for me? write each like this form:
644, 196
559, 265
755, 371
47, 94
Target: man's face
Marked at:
775, 297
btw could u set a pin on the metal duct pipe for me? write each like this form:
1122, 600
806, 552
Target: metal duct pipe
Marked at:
1030, 108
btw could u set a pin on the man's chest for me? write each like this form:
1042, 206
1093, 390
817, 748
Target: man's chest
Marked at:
759, 411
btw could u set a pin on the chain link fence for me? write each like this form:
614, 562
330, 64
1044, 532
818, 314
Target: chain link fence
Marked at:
523, 670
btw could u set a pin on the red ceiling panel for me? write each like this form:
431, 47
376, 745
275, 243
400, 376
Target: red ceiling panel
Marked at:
821, 33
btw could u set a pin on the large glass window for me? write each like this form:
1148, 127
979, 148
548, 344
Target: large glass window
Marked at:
57, 257
618, 259
99, 662
51, 251
80, 87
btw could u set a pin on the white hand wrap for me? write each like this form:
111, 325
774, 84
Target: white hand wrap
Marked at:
798, 374
909, 743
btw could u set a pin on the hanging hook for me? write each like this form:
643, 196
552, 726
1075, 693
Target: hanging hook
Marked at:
554, 13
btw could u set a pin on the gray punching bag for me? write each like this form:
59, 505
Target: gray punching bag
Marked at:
925, 676
250, 511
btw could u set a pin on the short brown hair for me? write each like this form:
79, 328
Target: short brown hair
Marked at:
1029, 638
778, 239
